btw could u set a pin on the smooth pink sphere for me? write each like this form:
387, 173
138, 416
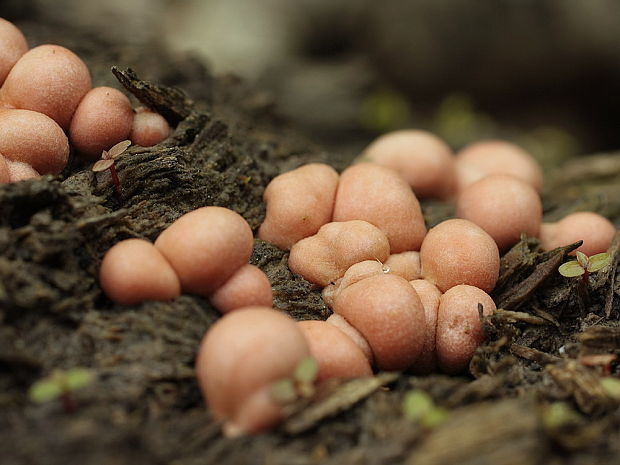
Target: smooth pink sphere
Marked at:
380, 196
360, 341
240, 358
205, 247
149, 128
596, 231
459, 331
133, 270
102, 119
390, 316
33, 138
430, 296
49, 79
487, 157
20, 171
423, 159
336, 353
456, 252
298, 203
14, 45
247, 287
502, 205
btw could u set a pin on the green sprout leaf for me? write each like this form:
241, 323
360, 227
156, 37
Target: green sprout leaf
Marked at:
419, 407
77, 378
60, 382
582, 259
598, 262
384, 110
417, 404
584, 263
571, 269
558, 415
306, 371
435, 417
283, 391
45, 390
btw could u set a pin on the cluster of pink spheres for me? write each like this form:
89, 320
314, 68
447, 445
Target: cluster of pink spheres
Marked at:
204, 252
403, 298
46, 94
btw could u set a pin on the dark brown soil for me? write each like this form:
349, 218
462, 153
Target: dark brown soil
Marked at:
145, 406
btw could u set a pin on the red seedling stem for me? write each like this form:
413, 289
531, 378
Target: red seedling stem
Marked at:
115, 180
585, 276
68, 403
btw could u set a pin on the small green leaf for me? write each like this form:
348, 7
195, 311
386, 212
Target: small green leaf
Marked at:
571, 269
611, 386
384, 110
77, 378
599, 261
434, 417
417, 404
283, 391
44, 390
419, 407
583, 259
306, 371
558, 415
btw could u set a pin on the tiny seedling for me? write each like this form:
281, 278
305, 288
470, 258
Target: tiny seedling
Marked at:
419, 407
299, 385
559, 415
585, 265
108, 162
60, 384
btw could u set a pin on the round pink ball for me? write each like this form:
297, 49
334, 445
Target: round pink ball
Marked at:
149, 128
336, 353
430, 297
360, 341
596, 231
503, 206
390, 316
459, 331
240, 357
134, 270
20, 171
247, 287
380, 196
14, 45
459, 252
33, 138
298, 202
423, 159
487, 157
49, 79
102, 119
205, 247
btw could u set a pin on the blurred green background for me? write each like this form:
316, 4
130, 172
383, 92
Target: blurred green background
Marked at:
543, 73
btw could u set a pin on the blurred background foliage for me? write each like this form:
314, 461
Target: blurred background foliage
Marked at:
543, 73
